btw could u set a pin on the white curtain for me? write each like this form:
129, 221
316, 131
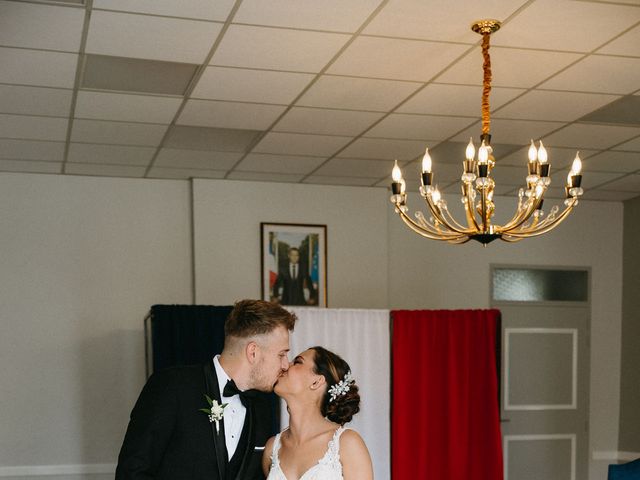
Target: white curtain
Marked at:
362, 338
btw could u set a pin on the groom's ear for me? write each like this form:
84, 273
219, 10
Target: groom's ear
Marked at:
251, 351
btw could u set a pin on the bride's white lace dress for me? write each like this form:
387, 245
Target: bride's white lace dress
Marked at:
327, 468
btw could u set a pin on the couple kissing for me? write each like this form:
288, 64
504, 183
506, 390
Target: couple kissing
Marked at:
213, 422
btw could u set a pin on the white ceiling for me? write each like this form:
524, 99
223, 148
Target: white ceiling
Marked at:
324, 92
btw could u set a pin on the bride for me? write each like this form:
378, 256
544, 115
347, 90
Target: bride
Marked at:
321, 397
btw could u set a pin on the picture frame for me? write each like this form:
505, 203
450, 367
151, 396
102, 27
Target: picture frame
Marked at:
293, 263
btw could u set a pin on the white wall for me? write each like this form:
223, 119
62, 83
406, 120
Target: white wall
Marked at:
429, 274
227, 238
81, 261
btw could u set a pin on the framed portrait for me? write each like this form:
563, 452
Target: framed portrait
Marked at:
294, 264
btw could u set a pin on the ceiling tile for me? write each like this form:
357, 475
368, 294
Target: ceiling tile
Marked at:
611, 196
507, 175
300, 144
345, 181
627, 44
249, 116
265, 177
196, 159
330, 15
121, 133
135, 75
611, 161
277, 48
35, 101
197, 9
384, 149
125, 107
441, 99
628, 183
104, 170
150, 37
218, 83
598, 22
599, 73
630, 146
515, 132
349, 167
624, 111
36, 26
511, 67
418, 127
547, 105
326, 121
590, 136
30, 67
559, 157
206, 138
395, 59
357, 93
440, 20
184, 173
264, 162
31, 150
34, 128
30, 167
109, 154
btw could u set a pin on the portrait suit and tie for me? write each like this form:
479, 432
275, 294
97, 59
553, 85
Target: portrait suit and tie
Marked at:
293, 286
170, 437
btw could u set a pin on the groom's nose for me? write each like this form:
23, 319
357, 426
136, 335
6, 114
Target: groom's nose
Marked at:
285, 364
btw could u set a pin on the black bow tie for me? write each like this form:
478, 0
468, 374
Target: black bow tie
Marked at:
231, 389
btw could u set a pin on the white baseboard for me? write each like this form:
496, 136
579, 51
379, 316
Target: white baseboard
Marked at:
37, 470
615, 456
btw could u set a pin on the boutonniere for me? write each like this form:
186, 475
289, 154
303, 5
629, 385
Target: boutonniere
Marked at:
215, 411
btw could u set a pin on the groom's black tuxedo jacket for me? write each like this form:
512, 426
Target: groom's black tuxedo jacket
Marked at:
168, 438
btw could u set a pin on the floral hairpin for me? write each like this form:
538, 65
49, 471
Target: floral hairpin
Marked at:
342, 387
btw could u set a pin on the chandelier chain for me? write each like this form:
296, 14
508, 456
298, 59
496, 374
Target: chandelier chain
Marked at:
486, 84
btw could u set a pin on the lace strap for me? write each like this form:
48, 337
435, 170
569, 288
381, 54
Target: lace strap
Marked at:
334, 444
274, 453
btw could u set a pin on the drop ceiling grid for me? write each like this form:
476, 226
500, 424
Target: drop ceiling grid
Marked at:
379, 52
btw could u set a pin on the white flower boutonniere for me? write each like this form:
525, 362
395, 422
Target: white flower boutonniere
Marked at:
215, 411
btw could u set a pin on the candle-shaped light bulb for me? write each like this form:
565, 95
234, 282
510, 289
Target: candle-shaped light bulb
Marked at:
542, 153
483, 153
396, 173
471, 150
569, 178
435, 195
533, 152
576, 166
426, 162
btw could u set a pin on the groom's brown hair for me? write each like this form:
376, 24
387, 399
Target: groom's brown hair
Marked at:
256, 317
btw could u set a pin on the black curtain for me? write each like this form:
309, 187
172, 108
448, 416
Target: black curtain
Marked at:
186, 334
189, 335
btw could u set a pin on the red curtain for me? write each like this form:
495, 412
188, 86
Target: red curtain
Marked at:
445, 416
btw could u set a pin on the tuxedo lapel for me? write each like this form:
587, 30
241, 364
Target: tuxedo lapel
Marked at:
218, 436
251, 441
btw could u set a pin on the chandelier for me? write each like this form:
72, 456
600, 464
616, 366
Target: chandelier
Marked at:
478, 186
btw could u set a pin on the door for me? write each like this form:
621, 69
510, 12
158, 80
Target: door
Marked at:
545, 376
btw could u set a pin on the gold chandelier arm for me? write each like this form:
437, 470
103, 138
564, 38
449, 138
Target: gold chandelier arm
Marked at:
424, 232
541, 229
468, 208
440, 217
521, 216
454, 222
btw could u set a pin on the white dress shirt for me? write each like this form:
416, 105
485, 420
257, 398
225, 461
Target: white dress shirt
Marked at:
234, 412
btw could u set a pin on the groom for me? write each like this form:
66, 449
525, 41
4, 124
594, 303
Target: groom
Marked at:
170, 438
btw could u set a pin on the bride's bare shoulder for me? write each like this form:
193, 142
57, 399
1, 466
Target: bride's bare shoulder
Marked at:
354, 455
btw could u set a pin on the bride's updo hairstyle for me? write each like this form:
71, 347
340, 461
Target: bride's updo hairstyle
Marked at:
333, 368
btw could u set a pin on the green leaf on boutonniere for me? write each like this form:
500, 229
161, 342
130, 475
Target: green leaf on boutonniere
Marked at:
209, 400
205, 410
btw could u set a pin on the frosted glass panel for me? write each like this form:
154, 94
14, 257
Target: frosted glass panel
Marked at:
536, 285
